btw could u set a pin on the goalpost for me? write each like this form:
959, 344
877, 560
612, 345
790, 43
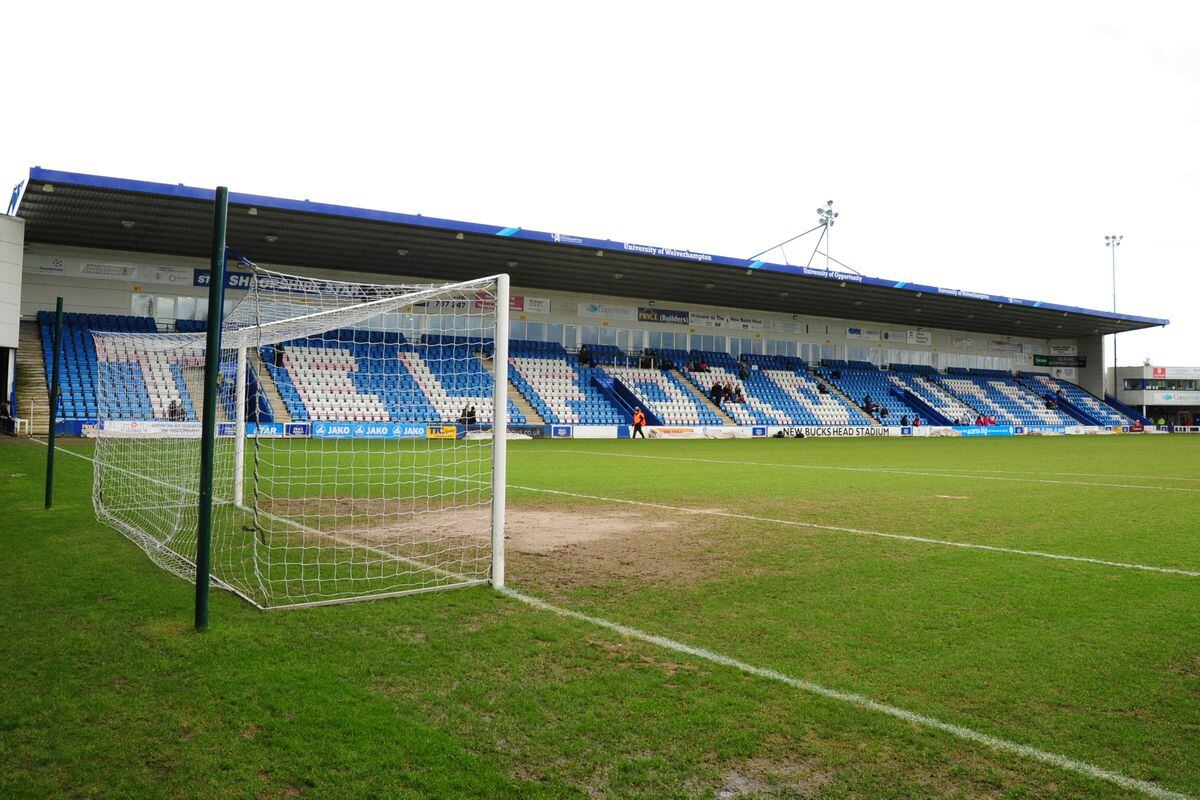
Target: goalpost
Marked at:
386, 493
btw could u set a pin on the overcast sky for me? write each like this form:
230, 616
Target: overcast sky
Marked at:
984, 147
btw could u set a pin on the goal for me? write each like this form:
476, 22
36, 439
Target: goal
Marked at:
355, 455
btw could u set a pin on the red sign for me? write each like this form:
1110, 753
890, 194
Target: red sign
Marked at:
1160, 372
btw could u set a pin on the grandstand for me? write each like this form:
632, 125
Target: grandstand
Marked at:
804, 347
359, 375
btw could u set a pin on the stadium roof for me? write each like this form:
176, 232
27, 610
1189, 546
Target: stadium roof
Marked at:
82, 210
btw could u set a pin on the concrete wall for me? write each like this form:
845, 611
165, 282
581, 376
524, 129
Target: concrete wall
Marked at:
12, 247
106, 281
1091, 377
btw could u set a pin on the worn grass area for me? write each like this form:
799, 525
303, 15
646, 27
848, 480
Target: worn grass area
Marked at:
106, 692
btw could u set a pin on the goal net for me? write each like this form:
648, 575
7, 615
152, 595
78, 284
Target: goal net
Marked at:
354, 456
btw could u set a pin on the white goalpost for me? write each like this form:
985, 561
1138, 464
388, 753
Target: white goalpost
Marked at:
355, 455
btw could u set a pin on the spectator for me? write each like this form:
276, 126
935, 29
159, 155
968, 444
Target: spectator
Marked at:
6, 422
717, 394
471, 418
728, 390
277, 355
703, 366
1059, 394
585, 355
979, 420
639, 419
738, 396
883, 412
836, 374
822, 388
916, 422
462, 418
904, 420
743, 373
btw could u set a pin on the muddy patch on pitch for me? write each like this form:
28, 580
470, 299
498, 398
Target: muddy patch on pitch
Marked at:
544, 531
564, 549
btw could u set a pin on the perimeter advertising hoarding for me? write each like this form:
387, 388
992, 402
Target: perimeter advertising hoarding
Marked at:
441, 431
150, 427
369, 430
832, 431
265, 430
532, 431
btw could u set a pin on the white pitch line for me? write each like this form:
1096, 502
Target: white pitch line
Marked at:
969, 734
885, 470
861, 532
841, 529
1005, 745
1067, 474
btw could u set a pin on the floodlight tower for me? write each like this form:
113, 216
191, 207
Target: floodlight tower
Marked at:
1113, 242
826, 217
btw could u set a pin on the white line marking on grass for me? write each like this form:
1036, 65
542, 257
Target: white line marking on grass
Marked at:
885, 470
921, 720
835, 528
861, 532
1070, 474
911, 717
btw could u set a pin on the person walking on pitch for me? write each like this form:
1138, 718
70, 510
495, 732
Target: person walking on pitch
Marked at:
639, 419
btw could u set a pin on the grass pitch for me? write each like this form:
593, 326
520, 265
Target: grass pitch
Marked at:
776, 553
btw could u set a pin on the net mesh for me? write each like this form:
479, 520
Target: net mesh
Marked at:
387, 491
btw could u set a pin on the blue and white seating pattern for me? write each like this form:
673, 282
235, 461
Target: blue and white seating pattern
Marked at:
367, 376
452, 377
765, 400
127, 374
860, 379
558, 388
323, 379
665, 397
741, 413
139, 386
1091, 405
813, 407
936, 396
997, 394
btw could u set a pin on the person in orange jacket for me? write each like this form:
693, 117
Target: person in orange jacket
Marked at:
639, 419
